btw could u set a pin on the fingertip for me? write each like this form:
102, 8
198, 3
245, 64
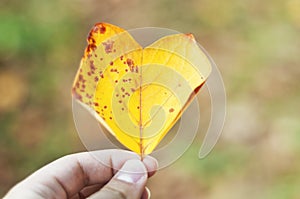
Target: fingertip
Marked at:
132, 172
129, 182
151, 165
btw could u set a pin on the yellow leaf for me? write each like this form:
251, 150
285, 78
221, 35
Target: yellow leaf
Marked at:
138, 93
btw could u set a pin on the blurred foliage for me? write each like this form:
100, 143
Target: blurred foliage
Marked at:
255, 44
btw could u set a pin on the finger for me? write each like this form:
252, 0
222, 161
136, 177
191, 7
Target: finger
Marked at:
66, 176
129, 182
151, 165
87, 191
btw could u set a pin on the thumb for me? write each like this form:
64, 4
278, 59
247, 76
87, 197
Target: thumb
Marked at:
128, 183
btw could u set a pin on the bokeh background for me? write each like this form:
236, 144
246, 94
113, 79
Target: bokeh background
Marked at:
255, 44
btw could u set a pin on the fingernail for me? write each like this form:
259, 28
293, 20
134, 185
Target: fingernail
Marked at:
148, 192
132, 171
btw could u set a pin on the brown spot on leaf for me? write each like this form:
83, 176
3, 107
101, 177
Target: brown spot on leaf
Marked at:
114, 70
130, 64
80, 78
76, 95
92, 65
91, 47
108, 46
99, 28
88, 96
102, 29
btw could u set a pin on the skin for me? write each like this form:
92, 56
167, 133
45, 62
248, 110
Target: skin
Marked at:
113, 174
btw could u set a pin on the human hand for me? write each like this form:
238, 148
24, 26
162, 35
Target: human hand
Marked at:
81, 175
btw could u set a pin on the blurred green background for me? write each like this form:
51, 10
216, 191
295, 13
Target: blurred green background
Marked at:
255, 44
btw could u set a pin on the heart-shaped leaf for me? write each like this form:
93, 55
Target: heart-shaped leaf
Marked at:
139, 93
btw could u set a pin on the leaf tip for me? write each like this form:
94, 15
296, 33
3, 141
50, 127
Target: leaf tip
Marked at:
190, 35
